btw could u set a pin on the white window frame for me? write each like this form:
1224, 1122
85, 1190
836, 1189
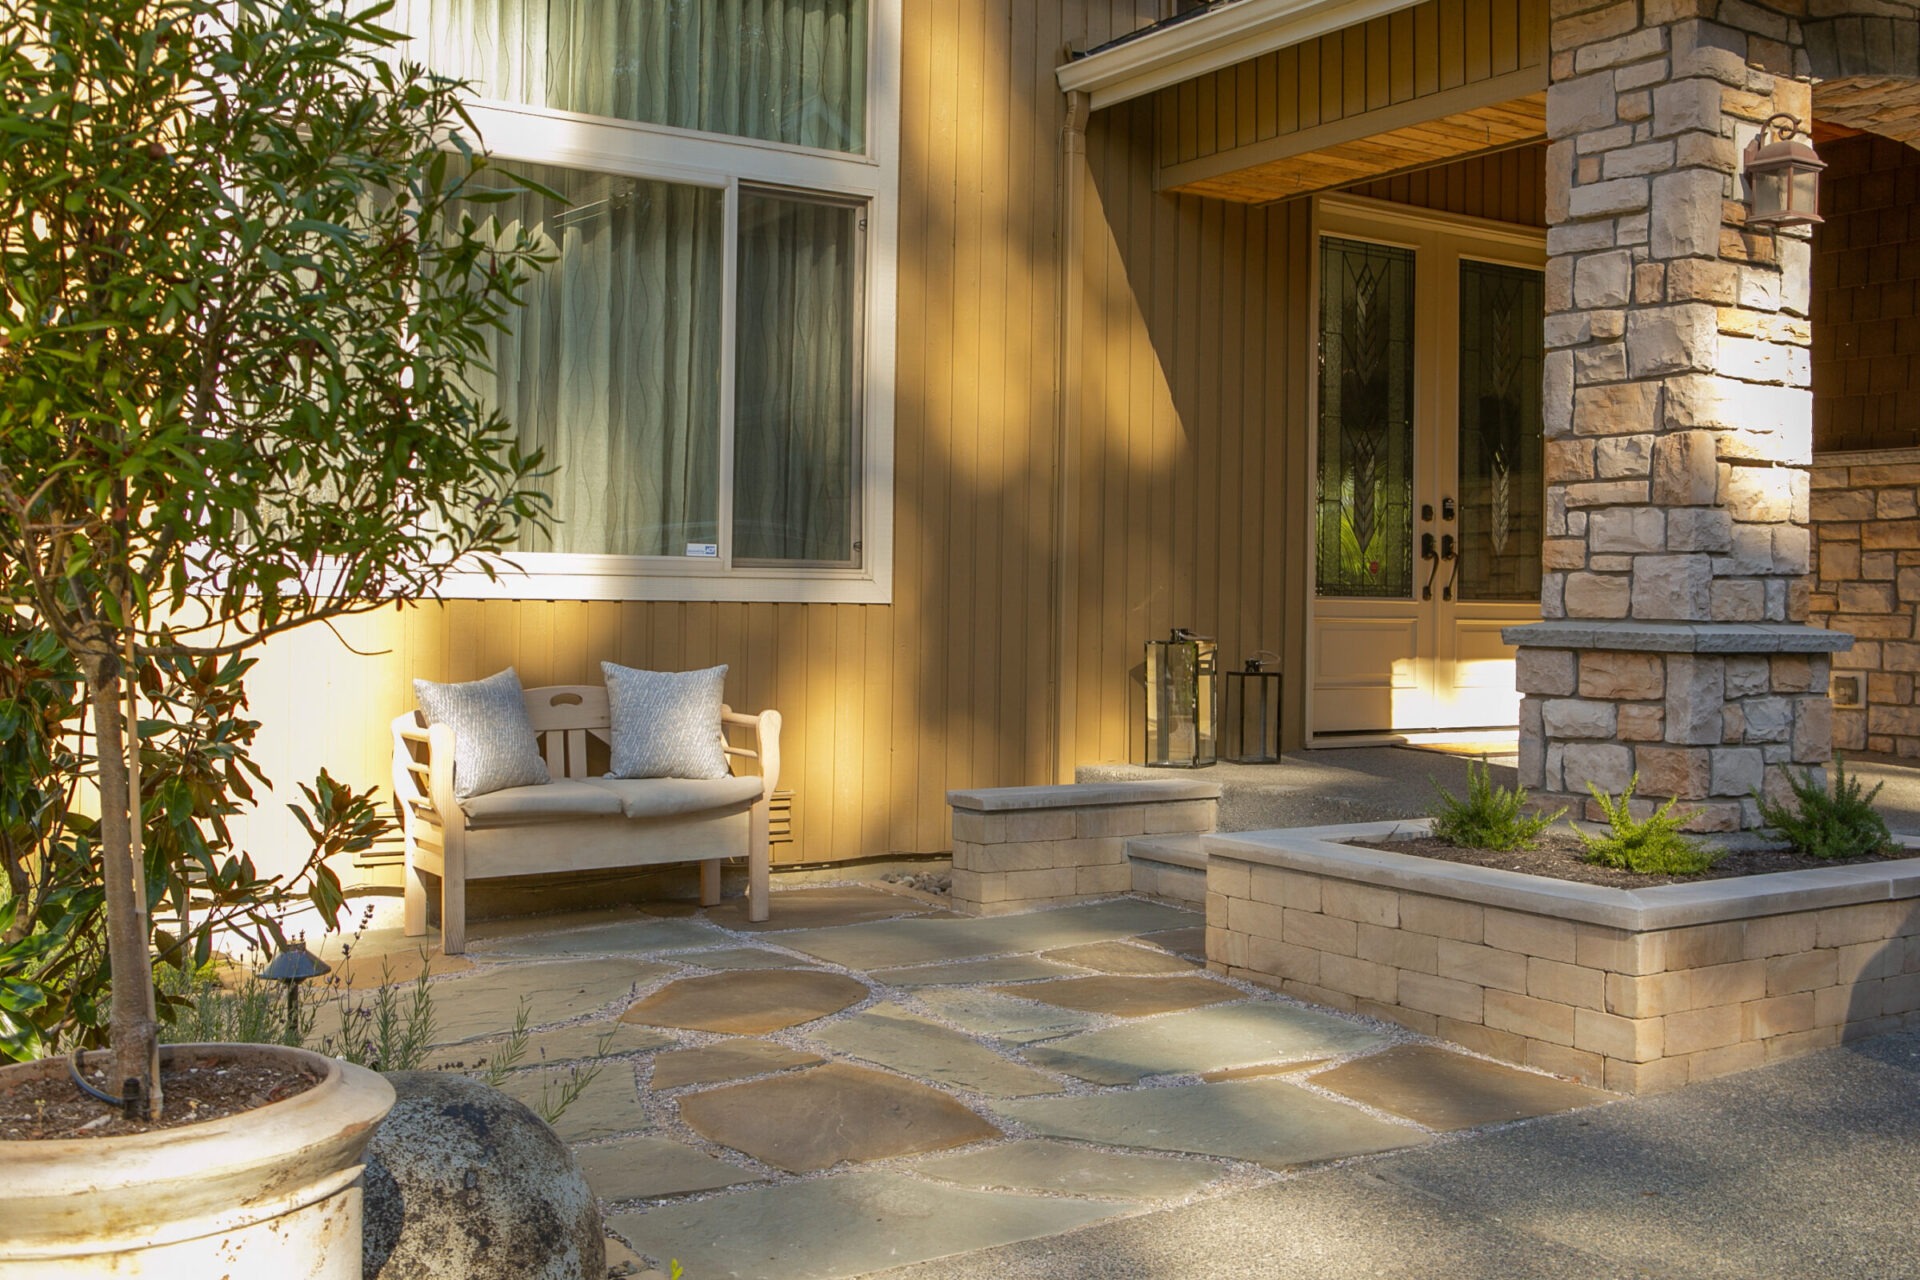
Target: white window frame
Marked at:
539, 135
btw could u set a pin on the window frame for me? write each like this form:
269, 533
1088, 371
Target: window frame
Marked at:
528, 134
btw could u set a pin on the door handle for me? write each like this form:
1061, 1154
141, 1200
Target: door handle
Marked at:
1449, 554
1427, 552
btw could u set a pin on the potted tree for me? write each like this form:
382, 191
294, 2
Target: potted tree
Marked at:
246, 296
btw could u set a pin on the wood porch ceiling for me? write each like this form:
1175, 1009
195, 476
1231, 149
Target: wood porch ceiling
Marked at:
1515, 122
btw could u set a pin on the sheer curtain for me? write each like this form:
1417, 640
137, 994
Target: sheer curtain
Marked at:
791, 71
613, 365
795, 462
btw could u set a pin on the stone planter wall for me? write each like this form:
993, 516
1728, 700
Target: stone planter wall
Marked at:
1017, 848
1636, 991
1866, 581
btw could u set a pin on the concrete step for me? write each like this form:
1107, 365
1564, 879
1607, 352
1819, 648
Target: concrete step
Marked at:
1171, 867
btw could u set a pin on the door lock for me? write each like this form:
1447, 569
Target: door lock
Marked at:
1446, 507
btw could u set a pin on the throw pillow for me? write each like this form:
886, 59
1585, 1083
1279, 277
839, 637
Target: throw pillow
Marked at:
493, 743
666, 724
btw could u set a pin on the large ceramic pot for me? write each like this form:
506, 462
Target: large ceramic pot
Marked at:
273, 1192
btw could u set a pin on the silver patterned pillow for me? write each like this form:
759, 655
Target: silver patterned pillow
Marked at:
493, 743
666, 724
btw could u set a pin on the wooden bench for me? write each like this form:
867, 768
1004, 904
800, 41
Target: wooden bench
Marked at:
577, 822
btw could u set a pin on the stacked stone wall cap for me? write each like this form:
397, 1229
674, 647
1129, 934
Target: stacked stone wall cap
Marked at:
1678, 637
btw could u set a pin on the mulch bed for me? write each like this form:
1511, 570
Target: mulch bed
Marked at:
1560, 856
196, 1091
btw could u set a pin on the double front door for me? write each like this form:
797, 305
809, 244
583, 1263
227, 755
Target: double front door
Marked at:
1429, 496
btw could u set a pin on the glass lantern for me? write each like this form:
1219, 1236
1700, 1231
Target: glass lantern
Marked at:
1182, 706
1252, 701
1783, 176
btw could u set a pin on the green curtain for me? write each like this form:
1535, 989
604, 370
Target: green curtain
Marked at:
795, 464
792, 71
613, 365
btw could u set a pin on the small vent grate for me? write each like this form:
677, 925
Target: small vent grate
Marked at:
780, 818
1845, 693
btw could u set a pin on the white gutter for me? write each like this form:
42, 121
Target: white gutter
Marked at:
1218, 38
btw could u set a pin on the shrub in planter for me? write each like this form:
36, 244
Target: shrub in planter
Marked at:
242, 313
1489, 817
1829, 822
1650, 846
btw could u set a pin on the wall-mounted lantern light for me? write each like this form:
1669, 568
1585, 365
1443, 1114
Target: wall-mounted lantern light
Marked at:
1783, 176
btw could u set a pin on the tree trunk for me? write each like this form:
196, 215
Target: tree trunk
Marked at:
136, 1046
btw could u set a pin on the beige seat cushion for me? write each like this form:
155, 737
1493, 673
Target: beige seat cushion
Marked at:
665, 797
518, 806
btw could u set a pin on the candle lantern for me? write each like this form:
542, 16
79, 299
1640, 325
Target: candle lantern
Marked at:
1182, 706
1252, 703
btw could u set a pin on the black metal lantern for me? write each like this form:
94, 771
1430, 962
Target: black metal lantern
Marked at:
1783, 176
1252, 702
293, 966
1182, 710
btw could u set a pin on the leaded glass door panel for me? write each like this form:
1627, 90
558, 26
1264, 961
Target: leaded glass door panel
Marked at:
1429, 499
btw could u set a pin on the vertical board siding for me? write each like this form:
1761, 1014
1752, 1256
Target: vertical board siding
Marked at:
1441, 44
1188, 500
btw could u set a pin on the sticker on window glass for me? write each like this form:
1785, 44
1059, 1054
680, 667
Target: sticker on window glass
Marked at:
711, 550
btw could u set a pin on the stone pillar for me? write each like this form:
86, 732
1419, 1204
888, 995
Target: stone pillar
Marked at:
1678, 422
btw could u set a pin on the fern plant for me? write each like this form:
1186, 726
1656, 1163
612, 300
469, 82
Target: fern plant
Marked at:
1822, 822
1653, 846
1490, 817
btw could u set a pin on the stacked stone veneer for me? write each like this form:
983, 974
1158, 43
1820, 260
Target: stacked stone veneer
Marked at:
1866, 523
1017, 848
1678, 410
1642, 995
1712, 728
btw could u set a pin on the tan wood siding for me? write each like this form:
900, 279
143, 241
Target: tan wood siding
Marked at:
1444, 79
1190, 497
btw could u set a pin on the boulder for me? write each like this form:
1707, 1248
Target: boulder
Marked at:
465, 1183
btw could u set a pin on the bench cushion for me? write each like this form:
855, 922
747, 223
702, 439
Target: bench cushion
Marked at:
665, 797
549, 802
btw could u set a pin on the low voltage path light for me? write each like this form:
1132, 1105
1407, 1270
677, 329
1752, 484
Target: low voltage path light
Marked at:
293, 966
1783, 176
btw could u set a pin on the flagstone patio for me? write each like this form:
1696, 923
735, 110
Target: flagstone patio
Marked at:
867, 1081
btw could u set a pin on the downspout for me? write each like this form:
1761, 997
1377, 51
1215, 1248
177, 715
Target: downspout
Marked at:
1070, 352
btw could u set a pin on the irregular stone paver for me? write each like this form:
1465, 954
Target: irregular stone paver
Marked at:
845, 1226
1004, 1018
643, 1168
1119, 957
728, 1060
1443, 1090
1005, 969
816, 1119
741, 958
1264, 1121
747, 1002
1190, 942
379, 956
607, 1107
552, 1048
895, 943
1258, 1070
485, 1002
1127, 997
1064, 1168
892, 1036
641, 933
828, 906
1215, 1039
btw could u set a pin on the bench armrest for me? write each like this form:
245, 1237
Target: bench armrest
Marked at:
766, 746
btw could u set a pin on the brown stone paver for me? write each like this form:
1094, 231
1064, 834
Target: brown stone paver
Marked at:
1121, 958
1444, 1090
1126, 997
741, 958
645, 1168
728, 1060
1190, 942
816, 1119
747, 1002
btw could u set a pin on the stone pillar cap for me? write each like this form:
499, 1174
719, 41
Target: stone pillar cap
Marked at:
1678, 637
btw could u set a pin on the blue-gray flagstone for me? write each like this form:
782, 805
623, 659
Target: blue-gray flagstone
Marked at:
1216, 1038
